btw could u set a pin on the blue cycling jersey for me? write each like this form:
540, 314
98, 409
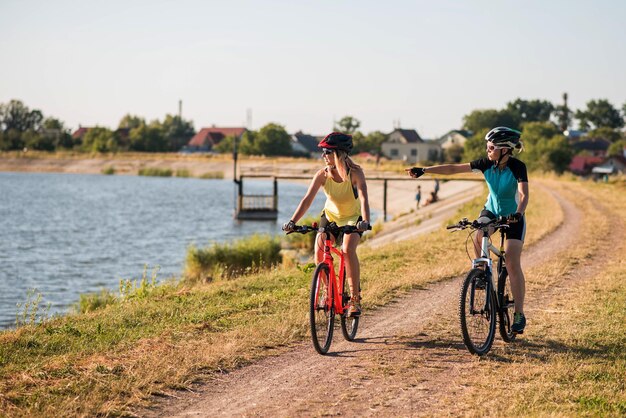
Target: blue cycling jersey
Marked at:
503, 196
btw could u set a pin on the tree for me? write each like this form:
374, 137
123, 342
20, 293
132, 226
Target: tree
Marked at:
599, 114
247, 145
371, 142
347, 125
453, 154
480, 120
54, 131
530, 110
273, 139
148, 138
130, 122
16, 116
474, 147
99, 139
545, 148
617, 148
611, 135
177, 131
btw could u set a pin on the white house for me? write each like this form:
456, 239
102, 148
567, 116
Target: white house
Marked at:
454, 137
408, 146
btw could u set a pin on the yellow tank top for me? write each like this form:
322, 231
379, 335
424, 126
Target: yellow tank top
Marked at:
341, 206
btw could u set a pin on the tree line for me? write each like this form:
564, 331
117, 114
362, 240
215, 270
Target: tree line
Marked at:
543, 125
541, 122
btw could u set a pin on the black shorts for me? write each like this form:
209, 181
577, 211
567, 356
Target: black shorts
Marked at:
516, 230
338, 240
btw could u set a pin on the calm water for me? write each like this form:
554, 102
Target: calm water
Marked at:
67, 234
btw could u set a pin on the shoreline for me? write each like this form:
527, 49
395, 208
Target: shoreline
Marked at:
400, 194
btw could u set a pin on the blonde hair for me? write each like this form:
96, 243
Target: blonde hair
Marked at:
345, 164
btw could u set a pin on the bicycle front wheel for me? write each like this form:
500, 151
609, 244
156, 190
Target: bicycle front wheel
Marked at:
349, 325
477, 312
507, 306
321, 313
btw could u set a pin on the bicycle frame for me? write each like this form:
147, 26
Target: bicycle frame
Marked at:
336, 299
484, 259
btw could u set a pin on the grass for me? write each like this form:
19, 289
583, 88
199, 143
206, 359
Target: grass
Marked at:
109, 170
212, 175
243, 256
155, 172
114, 358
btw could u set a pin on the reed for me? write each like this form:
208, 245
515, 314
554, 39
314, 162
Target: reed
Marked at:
155, 172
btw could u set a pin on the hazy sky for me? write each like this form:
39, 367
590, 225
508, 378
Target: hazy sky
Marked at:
304, 63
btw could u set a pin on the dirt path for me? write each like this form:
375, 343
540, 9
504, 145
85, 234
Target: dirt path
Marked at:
397, 366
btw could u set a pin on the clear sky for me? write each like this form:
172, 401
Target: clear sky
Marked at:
305, 63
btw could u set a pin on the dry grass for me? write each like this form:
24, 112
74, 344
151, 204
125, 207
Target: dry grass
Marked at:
105, 362
572, 361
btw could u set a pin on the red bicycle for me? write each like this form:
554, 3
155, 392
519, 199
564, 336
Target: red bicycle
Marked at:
330, 293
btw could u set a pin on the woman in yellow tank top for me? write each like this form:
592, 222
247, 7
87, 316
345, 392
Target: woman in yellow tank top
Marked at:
346, 204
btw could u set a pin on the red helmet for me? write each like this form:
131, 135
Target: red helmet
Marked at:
337, 141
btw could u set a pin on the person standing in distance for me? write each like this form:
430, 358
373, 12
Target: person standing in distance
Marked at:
347, 203
507, 181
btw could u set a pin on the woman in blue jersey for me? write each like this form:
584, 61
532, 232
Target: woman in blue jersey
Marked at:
507, 181
347, 203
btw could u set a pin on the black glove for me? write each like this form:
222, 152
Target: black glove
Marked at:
416, 172
289, 226
362, 225
516, 217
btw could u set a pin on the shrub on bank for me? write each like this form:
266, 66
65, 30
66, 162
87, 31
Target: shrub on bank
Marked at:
109, 171
155, 172
231, 259
213, 175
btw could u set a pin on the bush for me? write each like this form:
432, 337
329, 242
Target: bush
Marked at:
302, 241
213, 175
155, 172
110, 170
90, 302
183, 173
231, 259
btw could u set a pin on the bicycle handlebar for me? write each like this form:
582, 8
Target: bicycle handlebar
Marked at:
346, 229
499, 222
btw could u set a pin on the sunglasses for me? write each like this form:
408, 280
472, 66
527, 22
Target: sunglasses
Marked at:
327, 151
491, 147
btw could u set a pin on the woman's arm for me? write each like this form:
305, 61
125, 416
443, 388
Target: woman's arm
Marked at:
307, 200
361, 187
522, 189
440, 169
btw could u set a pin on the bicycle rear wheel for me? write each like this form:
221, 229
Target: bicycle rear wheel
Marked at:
349, 325
321, 311
507, 306
477, 312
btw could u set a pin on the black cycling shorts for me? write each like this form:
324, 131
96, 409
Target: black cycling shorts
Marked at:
516, 230
338, 240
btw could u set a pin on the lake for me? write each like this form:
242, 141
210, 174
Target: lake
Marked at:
67, 234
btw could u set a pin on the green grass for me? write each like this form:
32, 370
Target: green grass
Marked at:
154, 337
243, 256
109, 171
183, 173
155, 172
212, 175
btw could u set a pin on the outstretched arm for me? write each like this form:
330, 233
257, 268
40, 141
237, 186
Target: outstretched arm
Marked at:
416, 172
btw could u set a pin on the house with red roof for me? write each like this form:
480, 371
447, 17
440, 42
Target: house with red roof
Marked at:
583, 164
207, 138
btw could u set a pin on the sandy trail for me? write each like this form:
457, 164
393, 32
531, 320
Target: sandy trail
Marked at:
288, 385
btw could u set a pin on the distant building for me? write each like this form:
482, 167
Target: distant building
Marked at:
454, 137
613, 165
79, 133
596, 147
305, 145
207, 138
408, 146
583, 164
